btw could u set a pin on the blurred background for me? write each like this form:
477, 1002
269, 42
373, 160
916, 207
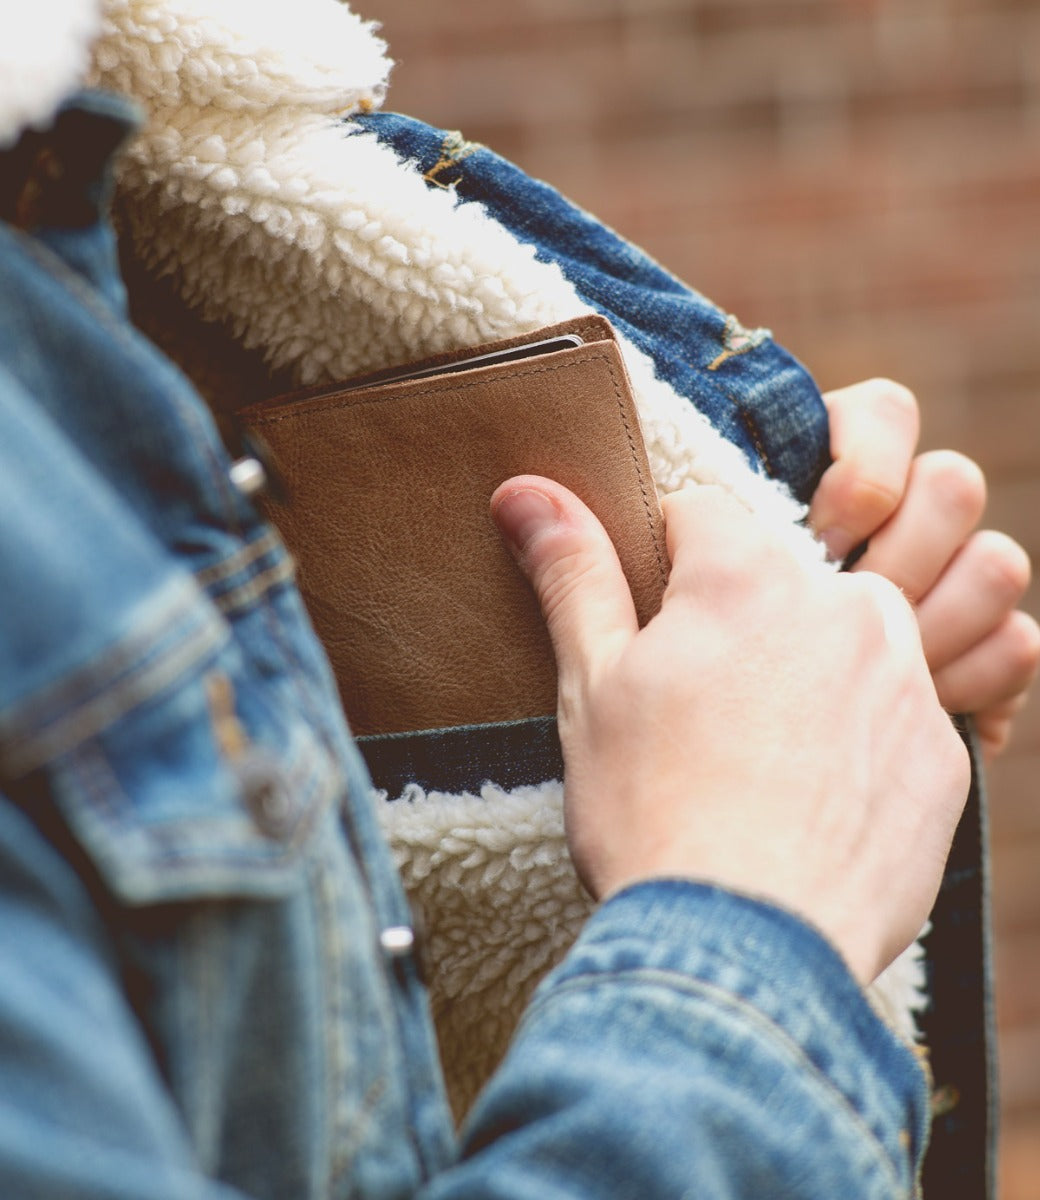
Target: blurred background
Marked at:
863, 177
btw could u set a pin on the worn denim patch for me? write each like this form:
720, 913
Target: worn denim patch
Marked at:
751, 389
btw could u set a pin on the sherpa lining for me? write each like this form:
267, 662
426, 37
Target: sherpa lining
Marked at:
332, 257
44, 54
501, 905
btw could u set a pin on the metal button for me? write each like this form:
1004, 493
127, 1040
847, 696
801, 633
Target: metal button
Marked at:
398, 941
249, 476
255, 469
267, 794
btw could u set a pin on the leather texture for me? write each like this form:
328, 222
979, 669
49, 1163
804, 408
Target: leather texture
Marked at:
426, 618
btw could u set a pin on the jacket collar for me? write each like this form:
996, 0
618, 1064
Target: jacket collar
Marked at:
240, 57
321, 57
44, 51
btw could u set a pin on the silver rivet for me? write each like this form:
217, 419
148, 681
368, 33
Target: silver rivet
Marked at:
267, 794
275, 804
249, 476
397, 941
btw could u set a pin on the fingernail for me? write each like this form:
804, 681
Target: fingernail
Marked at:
523, 514
839, 543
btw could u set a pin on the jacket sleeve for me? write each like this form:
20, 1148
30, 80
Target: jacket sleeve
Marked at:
83, 1110
698, 1043
693, 1043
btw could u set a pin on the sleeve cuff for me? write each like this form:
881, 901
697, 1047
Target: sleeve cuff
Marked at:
772, 962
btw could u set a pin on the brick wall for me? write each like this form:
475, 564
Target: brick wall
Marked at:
860, 175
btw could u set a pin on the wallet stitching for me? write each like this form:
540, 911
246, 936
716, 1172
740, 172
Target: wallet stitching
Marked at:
540, 369
618, 396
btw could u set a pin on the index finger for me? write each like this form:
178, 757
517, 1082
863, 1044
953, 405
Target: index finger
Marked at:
874, 429
714, 543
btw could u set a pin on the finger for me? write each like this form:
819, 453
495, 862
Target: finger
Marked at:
995, 724
945, 497
994, 670
715, 545
898, 619
984, 582
573, 567
874, 428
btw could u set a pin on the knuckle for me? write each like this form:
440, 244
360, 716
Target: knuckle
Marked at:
871, 496
896, 401
872, 601
1003, 564
725, 576
560, 579
953, 480
995, 735
1023, 639
731, 550
874, 591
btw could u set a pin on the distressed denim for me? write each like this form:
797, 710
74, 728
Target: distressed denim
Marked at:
751, 389
210, 988
765, 402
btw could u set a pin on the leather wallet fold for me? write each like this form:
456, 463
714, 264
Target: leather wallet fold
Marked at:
425, 617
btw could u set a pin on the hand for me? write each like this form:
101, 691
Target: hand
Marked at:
920, 515
773, 729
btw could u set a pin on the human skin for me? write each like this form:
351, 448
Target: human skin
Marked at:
773, 730
920, 515
806, 713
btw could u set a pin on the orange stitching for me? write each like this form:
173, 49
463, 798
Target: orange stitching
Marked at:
454, 149
748, 421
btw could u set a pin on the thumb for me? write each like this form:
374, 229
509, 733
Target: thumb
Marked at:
573, 567
874, 427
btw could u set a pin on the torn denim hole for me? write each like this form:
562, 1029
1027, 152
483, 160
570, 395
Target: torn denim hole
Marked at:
737, 340
454, 149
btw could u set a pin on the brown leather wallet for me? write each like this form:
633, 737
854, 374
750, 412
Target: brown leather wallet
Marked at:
427, 620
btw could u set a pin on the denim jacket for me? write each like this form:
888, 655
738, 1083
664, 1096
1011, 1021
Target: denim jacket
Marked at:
211, 984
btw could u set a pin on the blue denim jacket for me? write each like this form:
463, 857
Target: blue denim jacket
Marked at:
210, 987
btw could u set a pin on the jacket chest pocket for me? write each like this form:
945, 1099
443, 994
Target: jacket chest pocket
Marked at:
206, 791
210, 822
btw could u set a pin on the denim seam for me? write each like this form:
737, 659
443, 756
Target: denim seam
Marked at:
753, 432
245, 594
90, 767
200, 959
321, 707
455, 149
720, 996
245, 556
90, 698
53, 265
335, 1065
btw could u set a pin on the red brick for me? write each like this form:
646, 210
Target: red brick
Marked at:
1020, 1156
1018, 981
1020, 1069
859, 175
1016, 886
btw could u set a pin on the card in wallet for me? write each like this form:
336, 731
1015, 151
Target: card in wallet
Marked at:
426, 618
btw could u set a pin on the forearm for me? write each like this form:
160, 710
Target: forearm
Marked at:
695, 1042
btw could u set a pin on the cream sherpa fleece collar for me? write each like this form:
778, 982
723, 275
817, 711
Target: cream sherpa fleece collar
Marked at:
323, 57
241, 56
44, 50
